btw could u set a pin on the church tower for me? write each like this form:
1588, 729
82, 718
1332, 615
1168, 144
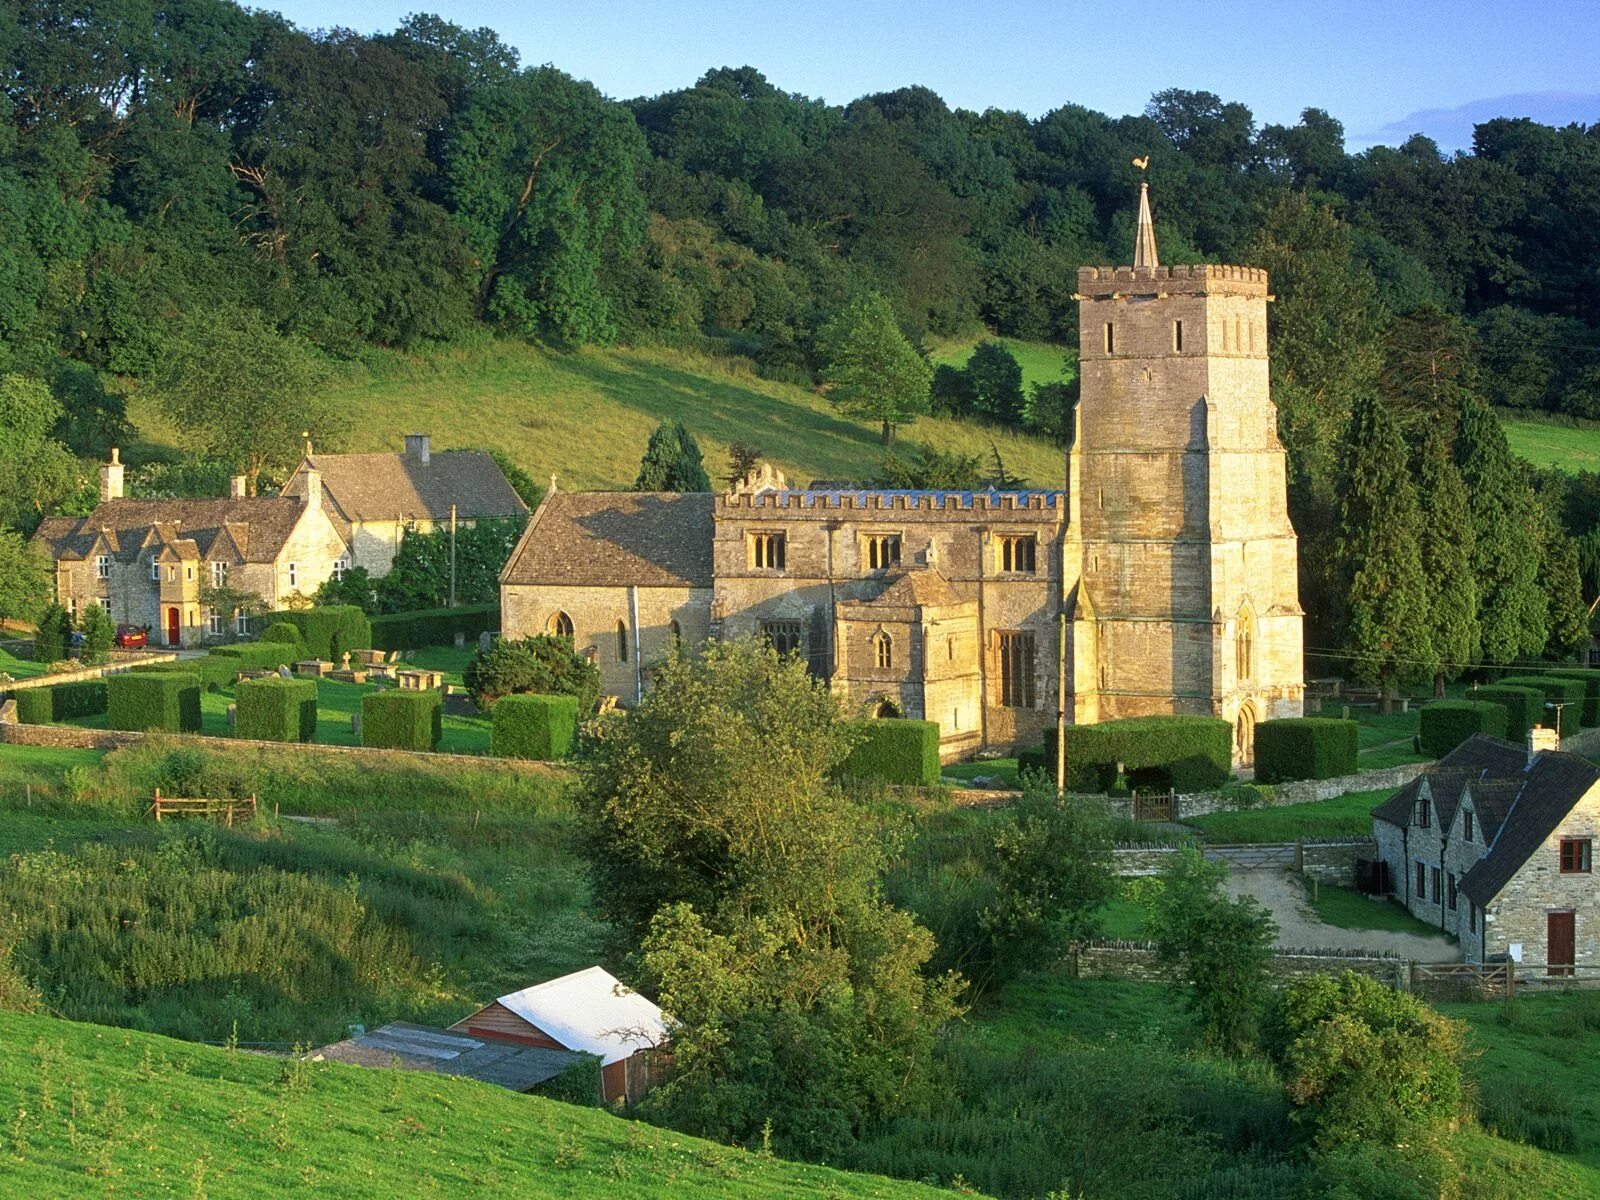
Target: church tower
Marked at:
1187, 598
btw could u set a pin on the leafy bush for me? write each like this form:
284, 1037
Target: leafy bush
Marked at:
1187, 754
164, 700
1555, 689
402, 720
284, 632
1445, 724
530, 726
893, 750
433, 626
1305, 748
329, 631
276, 710
1524, 707
546, 665
578, 1084
1590, 716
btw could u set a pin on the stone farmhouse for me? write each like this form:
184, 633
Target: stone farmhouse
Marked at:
1160, 579
150, 562
1493, 844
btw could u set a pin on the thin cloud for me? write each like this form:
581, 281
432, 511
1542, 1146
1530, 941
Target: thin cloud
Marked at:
1452, 127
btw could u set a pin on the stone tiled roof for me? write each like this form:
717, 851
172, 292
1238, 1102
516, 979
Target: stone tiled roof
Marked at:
266, 522
1554, 782
921, 588
384, 487
613, 539
1477, 758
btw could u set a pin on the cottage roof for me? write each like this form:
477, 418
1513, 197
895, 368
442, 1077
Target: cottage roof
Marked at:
613, 539
443, 1052
1553, 784
591, 1011
384, 487
1491, 801
1478, 758
265, 523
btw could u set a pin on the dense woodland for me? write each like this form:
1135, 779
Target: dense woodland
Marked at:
192, 187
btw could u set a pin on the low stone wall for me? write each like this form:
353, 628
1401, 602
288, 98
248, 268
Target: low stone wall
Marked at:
1134, 861
1334, 862
115, 666
1302, 791
1137, 961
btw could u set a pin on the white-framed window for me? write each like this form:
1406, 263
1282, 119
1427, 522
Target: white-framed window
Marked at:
102, 566
155, 571
213, 622
294, 578
340, 566
241, 623
219, 574
172, 574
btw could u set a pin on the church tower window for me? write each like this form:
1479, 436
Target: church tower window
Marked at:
882, 651
1111, 338
622, 642
881, 550
767, 551
1177, 337
1016, 668
1019, 552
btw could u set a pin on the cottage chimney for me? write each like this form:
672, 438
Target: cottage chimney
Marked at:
313, 487
111, 478
236, 487
419, 446
1540, 738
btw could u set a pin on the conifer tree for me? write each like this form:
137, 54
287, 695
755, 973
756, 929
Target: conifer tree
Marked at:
672, 462
53, 636
1567, 618
1385, 596
1447, 543
98, 634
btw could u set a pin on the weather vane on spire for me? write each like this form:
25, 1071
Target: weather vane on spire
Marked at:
1142, 163
1144, 240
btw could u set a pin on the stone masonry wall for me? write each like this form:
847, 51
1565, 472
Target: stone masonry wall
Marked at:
1334, 862
1137, 961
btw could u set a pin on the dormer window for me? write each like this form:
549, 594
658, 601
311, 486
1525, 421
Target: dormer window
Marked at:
1424, 813
1466, 825
155, 571
219, 574
172, 574
102, 566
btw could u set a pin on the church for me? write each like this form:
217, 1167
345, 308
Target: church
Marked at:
1162, 578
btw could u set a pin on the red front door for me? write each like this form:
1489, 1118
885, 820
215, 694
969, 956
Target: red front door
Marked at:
172, 627
1559, 942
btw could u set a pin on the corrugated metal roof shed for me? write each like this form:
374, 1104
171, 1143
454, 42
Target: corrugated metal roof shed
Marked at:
421, 1048
592, 1011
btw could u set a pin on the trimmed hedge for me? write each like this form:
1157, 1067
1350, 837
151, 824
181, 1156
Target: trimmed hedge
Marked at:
433, 626
892, 750
1556, 689
1305, 748
329, 631
276, 710
282, 631
402, 720
34, 706
259, 654
1590, 716
532, 726
1187, 754
1445, 724
214, 672
165, 700
1524, 706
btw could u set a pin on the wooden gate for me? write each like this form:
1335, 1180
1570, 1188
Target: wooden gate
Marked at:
1153, 806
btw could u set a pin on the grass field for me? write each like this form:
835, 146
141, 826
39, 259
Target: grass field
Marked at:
585, 416
1041, 362
1549, 444
19, 668
1349, 909
1343, 816
96, 1111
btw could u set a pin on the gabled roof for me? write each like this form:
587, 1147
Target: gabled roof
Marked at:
1478, 758
1492, 800
591, 1011
386, 487
265, 523
1554, 783
613, 539
921, 587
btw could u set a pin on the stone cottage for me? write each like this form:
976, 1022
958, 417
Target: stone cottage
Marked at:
1493, 845
1160, 579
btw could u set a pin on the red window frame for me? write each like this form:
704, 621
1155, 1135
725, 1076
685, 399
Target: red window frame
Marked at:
1575, 856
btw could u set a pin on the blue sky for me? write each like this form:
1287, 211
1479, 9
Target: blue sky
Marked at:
1386, 69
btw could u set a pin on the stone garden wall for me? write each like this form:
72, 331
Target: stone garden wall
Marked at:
1137, 961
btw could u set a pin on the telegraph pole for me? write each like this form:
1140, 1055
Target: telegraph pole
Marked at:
452, 556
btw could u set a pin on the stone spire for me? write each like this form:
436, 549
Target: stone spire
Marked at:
1144, 241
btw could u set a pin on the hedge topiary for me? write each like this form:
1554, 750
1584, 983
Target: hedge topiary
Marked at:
276, 710
1445, 724
531, 726
214, 672
402, 720
283, 632
85, 699
433, 626
893, 750
163, 700
1187, 754
329, 631
259, 654
34, 706
1524, 707
1305, 748
1556, 689
1590, 716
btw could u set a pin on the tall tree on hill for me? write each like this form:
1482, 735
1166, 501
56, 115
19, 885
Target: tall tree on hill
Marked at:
1384, 611
996, 383
1567, 616
1447, 545
35, 470
672, 462
869, 367
24, 578
1512, 609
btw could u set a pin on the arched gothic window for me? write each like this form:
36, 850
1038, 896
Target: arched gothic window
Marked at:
882, 650
559, 624
1244, 646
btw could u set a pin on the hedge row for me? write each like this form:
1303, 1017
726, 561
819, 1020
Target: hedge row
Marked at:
162, 700
282, 631
276, 710
1305, 748
213, 671
61, 702
1187, 754
1445, 724
1590, 716
1556, 690
1524, 707
259, 654
533, 726
402, 720
328, 632
893, 750
433, 626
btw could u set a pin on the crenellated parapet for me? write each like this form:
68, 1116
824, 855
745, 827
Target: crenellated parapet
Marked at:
875, 501
1104, 283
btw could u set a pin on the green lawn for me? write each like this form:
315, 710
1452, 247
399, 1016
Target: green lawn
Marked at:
964, 773
1547, 444
1349, 909
19, 668
1041, 362
585, 415
1343, 816
1123, 919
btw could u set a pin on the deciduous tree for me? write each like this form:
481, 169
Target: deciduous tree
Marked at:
24, 578
869, 367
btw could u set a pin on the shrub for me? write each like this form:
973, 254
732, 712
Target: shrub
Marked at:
99, 634
433, 626
1555, 689
164, 700
530, 726
258, 654
546, 665
276, 710
1187, 754
284, 632
402, 720
51, 638
893, 750
1445, 724
1590, 716
34, 706
1524, 707
329, 631
1305, 748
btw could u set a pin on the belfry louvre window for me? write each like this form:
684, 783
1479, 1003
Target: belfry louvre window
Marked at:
1019, 553
786, 637
1016, 669
881, 550
767, 551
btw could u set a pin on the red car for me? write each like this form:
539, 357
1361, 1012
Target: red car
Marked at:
132, 637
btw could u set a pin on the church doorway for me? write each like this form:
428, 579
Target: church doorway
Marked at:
1244, 735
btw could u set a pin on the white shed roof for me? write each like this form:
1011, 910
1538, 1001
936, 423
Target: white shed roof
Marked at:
592, 1011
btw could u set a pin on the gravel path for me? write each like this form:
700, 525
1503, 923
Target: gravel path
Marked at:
1299, 926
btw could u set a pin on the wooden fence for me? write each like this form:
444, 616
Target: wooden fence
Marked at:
226, 811
1496, 981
